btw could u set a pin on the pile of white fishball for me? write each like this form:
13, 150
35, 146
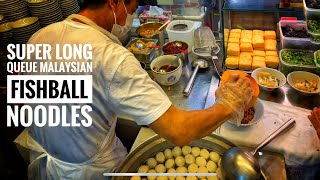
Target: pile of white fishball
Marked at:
182, 160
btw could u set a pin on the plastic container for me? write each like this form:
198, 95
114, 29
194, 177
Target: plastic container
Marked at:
286, 68
314, 36
310, 13
185, 35
293, 42
317, 54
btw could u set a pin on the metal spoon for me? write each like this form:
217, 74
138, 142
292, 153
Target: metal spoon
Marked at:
198, 63
238, 164
178, 45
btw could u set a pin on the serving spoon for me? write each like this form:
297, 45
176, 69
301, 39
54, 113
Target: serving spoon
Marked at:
238, 164
178, 45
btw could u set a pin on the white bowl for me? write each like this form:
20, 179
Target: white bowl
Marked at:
293, 76
259, 111
168, 78
279, 75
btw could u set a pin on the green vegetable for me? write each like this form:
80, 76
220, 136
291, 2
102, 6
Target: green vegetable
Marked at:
297, 57
318, 58
314, 26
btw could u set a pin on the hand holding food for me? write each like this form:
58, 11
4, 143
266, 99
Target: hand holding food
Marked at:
314, 117
235, 94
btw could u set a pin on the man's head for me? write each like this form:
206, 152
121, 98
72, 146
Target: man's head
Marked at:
103, 11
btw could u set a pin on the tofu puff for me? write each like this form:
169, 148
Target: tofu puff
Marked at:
258, 58
232, 62
258, 32
258, 64
245, 61
271, 53
246, 34
235, 31
259, 53
246, 47
270, 45
257, 41
272, 61
270, 35
233, 40
245, 40
233, 49
235, 35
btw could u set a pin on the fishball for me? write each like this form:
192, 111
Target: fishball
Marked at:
200, 161
169, 163
171, 170
143, 169
152, 162
212, 178
168, 153
176, 151
160, 157
160, 168
180, 178
211, 166
214, 156
162, 178
193, 168
202, 169
219, 174
195, 151
191, 178
179, 161
135, 178
190, 159
152, 177
186, 150
204, 153
182, 170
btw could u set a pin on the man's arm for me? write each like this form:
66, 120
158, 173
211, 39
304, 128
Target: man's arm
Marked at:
180, 127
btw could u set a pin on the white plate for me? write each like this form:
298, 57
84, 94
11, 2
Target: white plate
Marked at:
259, 111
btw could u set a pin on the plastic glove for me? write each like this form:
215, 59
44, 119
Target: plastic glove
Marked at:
315, 119
235, 94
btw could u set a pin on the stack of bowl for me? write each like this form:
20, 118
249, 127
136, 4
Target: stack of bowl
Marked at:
5, 35
24, 28
48, 11
13, 10
69, 7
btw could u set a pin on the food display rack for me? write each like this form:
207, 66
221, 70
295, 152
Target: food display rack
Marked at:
254, 14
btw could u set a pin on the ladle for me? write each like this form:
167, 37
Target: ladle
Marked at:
178, 45
239, 164
198, 63
140, 46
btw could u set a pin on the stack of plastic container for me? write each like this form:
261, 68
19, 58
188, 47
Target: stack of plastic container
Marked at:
312, 15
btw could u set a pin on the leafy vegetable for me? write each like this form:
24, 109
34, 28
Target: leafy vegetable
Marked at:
313, 4
297, 57
318, 57
314, 26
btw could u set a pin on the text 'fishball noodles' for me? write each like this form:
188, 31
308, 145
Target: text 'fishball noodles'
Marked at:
182, 160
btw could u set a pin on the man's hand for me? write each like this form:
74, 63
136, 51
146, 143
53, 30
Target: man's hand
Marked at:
235, 94
315, 119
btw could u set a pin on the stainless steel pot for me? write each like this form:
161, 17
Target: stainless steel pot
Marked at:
185, 57
152, 26
156, 144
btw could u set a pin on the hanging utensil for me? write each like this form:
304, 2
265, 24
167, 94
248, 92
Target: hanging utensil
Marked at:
205, 45
198, 63
238, 164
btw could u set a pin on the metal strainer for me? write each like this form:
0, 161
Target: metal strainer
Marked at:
205, 45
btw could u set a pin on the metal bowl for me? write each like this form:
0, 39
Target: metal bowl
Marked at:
144, 57
156, 144
185, 57
152, 26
